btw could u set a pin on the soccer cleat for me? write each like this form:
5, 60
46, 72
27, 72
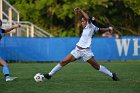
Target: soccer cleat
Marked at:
115, 78
10, 78
47, 76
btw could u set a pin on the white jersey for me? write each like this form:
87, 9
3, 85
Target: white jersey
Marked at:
86, 37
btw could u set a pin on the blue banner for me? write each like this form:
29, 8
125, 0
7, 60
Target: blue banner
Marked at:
55, 49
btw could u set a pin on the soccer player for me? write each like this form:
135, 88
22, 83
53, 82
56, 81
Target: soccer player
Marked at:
82, 48
5, 68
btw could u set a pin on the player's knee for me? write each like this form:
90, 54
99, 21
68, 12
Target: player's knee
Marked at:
63, 63
97, 67
3, 63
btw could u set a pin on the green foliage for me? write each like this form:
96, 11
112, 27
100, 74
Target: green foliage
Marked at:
58, 17
134, 5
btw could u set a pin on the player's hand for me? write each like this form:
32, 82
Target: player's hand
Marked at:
110, 29
19, 25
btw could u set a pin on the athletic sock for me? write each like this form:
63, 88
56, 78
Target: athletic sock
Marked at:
6, 75
55, 69
105, 70
5, 71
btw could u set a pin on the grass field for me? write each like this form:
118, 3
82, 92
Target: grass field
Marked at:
73, 78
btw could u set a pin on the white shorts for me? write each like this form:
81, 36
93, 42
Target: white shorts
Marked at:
86, 54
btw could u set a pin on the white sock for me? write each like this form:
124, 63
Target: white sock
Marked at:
105, 70
55, 69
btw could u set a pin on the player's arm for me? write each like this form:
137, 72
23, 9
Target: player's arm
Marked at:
13, 27
85, 15
109, 29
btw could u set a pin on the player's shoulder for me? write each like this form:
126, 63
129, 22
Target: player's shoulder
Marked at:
89, 25
93, 26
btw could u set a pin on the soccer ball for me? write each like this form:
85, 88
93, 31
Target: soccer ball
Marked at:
39, 77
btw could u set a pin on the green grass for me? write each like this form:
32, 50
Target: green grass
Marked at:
74, 78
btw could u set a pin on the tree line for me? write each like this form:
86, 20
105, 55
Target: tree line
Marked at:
58, 17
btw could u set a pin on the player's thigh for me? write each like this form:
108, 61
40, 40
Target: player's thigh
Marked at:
2, 62
69, 58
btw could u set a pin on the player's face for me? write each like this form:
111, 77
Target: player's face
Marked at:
83, 22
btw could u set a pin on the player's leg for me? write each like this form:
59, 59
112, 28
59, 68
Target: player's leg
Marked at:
67, 59
5, 70
101, 68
